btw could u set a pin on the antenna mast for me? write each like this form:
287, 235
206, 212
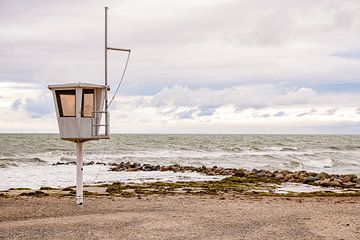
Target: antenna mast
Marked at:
106, 68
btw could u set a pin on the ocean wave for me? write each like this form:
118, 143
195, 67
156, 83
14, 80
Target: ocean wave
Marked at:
67, 159
293, 164
282, 149
232, 149
16, 162
255, 149
289, 149
334, 148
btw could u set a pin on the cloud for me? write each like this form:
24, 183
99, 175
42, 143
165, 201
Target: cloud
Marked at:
222, 43
351, 54
247, 96
16, 104
280, 114
39, 107
185, 114
331, 111
207, 111
247, 108
268, 108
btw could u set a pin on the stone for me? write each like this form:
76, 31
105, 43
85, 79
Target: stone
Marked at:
228, 172
325, 182
334, 183
164, 168
310, 180
285, 172
289, 177
349, 184
239, 173
279, 176
345, 179
318, 182
323, 175
89, 163
131, 169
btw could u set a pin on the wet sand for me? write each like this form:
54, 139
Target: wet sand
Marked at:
180, 217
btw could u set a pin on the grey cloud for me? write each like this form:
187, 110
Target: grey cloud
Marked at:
205, 102
185, 114
351, 54
16, 104
330, 111
257, 115
302, 114
177, 43
207, 111
280, 114
39, 107
312, 111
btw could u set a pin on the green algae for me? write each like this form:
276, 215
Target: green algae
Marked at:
34, 194
67, 189
227, 185
20, 188
47, 188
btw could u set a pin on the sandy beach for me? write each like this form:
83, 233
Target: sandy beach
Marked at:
180, 217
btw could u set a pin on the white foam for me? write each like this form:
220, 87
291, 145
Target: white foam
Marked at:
299, 187
64, 175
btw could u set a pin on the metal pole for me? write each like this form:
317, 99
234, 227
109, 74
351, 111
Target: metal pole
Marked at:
106, 10
79, 174
106, 80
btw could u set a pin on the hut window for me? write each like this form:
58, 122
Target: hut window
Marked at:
66, 102
87, 103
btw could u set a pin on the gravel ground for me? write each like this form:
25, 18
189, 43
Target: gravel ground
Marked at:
180, 217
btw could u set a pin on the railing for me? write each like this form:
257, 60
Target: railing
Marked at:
97, 122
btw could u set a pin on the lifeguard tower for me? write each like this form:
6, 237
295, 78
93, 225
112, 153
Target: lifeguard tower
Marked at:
80, 109
82, 114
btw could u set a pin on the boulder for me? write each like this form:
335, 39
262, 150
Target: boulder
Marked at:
323, 175
310, 180
279, 176
334, 183
240, 173
325, 182
164, 168
349, 184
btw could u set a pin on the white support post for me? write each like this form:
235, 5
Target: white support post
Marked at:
79, 174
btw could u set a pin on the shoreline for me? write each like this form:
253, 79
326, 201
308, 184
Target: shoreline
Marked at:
237, 185
230, 180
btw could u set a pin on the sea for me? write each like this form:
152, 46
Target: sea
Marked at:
38, 160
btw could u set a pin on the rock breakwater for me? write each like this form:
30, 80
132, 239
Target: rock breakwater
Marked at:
318, 179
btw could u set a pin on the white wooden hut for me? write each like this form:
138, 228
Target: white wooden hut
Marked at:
80, 111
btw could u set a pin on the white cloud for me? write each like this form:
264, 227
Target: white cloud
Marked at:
244, 109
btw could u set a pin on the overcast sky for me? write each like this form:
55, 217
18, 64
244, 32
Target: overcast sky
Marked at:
204, 66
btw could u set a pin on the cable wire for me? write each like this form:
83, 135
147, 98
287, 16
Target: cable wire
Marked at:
101, 162
122, 78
